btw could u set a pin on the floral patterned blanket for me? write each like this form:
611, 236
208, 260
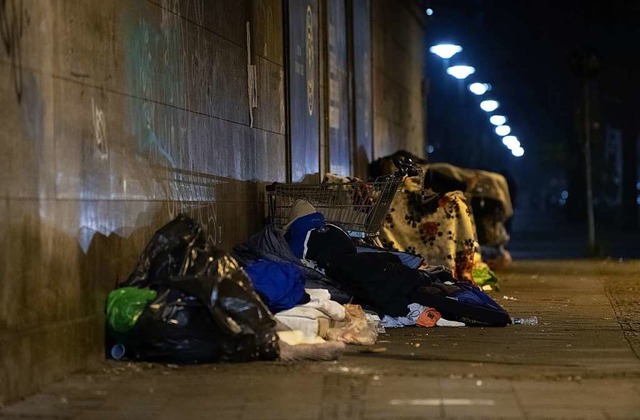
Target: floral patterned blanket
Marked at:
439, 227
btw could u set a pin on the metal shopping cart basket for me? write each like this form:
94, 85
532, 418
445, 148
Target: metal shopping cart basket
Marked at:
358, 207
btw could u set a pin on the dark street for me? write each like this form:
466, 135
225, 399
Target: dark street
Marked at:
549, 235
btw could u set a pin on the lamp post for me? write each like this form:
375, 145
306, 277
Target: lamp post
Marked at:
479, 88
503, 130
517, 152
445, 52
498, 120
511, 142
586, 66
460, 72
489, 105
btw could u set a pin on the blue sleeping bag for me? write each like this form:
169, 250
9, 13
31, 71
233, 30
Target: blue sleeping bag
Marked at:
279, 284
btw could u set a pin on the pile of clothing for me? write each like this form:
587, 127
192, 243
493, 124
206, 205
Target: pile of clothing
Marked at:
387, 284
189, 302
298, 293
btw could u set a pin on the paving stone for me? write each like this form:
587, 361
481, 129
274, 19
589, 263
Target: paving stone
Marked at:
564, 413
468, 373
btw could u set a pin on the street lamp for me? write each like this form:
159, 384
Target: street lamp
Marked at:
498, 119
461, 72
445, 51
479, 88
511, 142
503, 130
489, 105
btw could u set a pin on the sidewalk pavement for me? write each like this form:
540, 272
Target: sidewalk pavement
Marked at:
581, 361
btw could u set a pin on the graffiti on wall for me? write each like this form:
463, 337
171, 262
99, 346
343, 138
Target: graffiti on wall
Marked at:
192, 194
13, 19
162, 65
100, 130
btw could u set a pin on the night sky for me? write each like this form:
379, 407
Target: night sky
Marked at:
524, 49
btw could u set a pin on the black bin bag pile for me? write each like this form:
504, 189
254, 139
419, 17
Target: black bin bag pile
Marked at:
200, 305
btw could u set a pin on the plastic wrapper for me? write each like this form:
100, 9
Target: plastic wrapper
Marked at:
355, 329
206, 309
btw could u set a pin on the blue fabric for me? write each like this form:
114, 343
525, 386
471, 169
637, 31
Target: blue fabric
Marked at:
297, 232
472, 295
270, 244
280, 284
410, 260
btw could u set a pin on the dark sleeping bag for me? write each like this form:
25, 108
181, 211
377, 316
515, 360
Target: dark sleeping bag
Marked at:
468, 304
377, 279
383, 282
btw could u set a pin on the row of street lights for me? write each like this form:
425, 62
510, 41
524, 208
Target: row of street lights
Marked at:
461, 72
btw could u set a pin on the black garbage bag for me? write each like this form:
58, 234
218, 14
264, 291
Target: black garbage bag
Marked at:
206, 309
167, 253
174, 328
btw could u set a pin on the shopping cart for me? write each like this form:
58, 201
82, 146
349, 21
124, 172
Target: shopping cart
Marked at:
357, 207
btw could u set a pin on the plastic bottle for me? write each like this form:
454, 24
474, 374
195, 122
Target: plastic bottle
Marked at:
531, 320
117, 351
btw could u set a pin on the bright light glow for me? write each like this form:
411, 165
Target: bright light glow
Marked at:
511, 142
461, 72
498, 119
430, 149
564, 194
489, 105
445, 50
479, 88
429, 12
518, 152
503, 130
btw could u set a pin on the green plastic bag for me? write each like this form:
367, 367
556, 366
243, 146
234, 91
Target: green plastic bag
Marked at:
125, 305
485, 276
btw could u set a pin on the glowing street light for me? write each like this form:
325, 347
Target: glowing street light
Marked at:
479, 88
445, 51
489, 105
518, 152
461, 72
503, 130
498, 119
511, 142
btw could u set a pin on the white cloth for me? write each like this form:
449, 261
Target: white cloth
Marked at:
415, 309
321, 300
446, 323
295, 337
308, 317
304, 319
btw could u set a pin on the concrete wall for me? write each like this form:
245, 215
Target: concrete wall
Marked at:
115, 116
398, 31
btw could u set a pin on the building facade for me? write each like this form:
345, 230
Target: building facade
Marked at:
118, 115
